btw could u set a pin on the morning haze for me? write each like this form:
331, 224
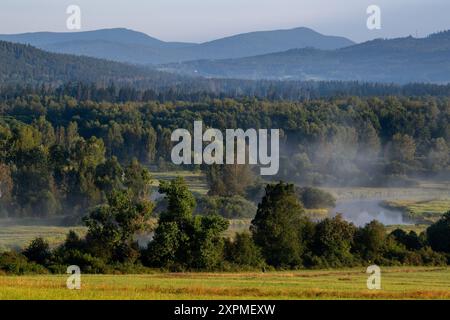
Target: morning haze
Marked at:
200, 21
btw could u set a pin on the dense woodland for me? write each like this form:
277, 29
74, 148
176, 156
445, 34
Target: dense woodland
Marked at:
61, 154
84, 152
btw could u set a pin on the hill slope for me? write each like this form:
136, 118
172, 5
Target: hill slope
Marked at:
24, 64
399, 60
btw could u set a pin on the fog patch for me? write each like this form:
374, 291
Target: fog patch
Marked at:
361, 212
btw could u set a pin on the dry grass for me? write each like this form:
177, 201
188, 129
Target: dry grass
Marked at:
397, 283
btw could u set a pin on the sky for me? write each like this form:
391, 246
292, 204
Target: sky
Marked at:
204, 20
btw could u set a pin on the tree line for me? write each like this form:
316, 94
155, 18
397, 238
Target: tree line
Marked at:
172, 88
281, 237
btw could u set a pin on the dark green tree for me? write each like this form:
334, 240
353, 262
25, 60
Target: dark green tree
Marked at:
438, 234
279, 225
333, 240
138, 179
371, 240
182, 240
109, 176
38, 251
112, 227
243, 251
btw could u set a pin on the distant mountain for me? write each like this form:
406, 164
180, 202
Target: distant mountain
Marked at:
263, 42
135, 47
117, 44
24, 64
118, 35
399, 60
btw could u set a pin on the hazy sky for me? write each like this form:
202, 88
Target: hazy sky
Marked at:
203, 20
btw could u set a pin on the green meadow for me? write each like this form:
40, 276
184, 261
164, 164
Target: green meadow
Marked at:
396, 283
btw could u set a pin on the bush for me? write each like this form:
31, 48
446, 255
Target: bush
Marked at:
313, 198
395, 253
86, 262
243, 251
333, 239
38, 251
410, 240
74, 251
370, 241
15, 263
430, 257
234, 207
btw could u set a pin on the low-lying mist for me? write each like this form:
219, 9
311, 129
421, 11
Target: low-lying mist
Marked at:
361, 212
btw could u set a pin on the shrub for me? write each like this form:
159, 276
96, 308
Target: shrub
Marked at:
430, 257
15, 263
86, 262
234, 207
410, 240
38, 251
370, 241
243, 251
314, 198
333, 239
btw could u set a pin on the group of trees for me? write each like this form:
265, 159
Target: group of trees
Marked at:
46, 170
79, 150
281, 236
288, 239
57, 151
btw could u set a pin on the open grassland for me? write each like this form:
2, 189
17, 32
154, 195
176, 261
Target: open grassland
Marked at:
422, 210
423, 191
196, 180
397, 283
18, 237
417, 228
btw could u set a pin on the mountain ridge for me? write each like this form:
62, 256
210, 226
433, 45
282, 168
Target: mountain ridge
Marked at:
125, 45
399, 60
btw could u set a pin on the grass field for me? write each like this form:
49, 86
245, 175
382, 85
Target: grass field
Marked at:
397, 283
195, 180
422, 210
17, 237
424, 191
417, 228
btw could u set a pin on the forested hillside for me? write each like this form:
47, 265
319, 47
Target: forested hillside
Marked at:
401, 60
23, 64
96, 79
